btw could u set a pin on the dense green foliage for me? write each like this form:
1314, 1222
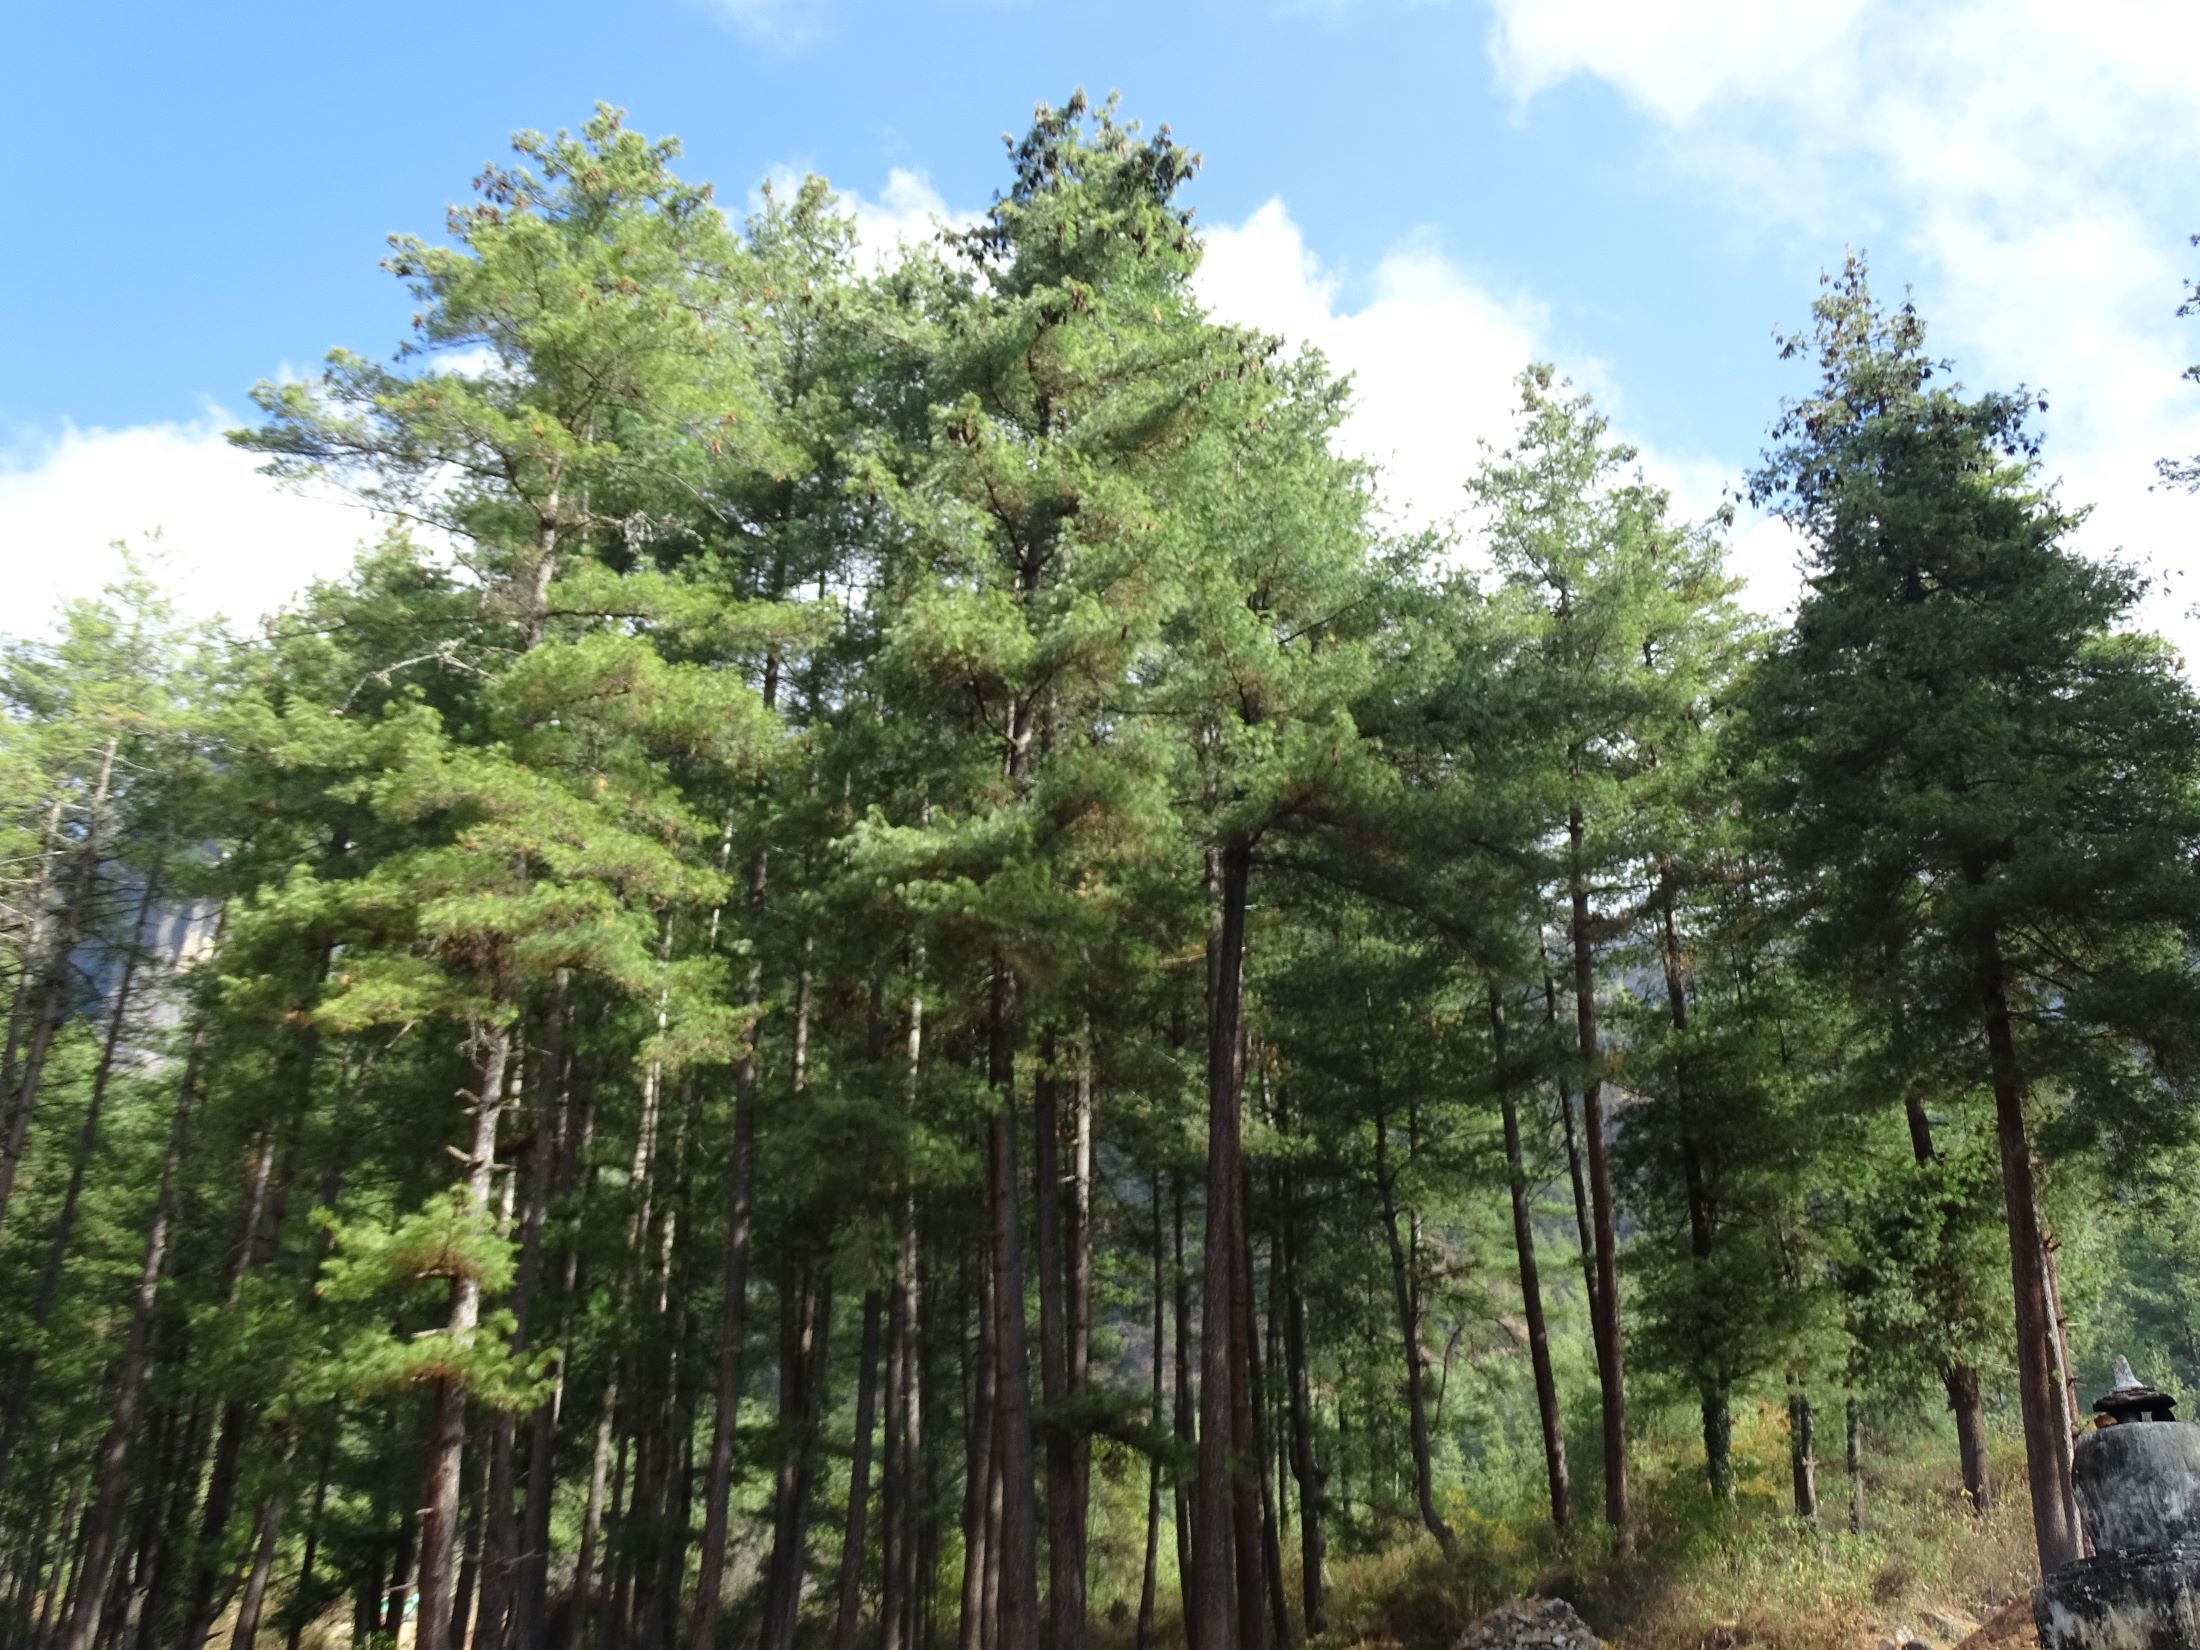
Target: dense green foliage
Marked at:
891, 974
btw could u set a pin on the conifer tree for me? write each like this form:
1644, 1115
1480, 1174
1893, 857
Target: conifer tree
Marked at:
1976, 763
1594, 584
605, 290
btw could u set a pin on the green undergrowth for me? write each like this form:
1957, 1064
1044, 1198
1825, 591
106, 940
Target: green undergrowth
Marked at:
1706, 1577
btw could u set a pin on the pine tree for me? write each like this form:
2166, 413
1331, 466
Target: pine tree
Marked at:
1976, 765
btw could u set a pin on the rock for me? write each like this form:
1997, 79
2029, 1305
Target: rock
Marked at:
1530, 1624
1946, 1626
2009, 1628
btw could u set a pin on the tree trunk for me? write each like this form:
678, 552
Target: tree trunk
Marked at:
1078, 1242
903, 1499
469, 1554
1017, 1609
166, 1500
1254, 1504
447, 1401
1187, 1436
1573, 1169
1065, 1580
28, 1564
733, 1308
1306, 1468
1856, 1467
1216, 1611
302, 1592
254, 1601
2054, 1529
366, 1599
1406, 1314
1150, 1575
266, 1197
1531, 1286
568, 1148
24, 1374
500, 1570
587, 1562
52, 1002
103, 1520
67, 1550
859, 1476
1803, 1451
806, 1323
2066, 1384
30, 975
1960, 1379
1713, 1381
977, 1604
1969, 1405
1604, 1302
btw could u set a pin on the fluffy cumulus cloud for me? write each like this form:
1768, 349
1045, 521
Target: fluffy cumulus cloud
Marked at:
1431, 351
229, 541
906, 212
2023, 163
1434, 353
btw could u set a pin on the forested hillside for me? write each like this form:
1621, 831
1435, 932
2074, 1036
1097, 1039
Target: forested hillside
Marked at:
892, 974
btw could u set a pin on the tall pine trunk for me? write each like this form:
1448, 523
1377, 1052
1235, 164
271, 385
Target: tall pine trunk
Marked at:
447, 1399
50, 1004
902, 1503
1587, 1239
1406, 1317
1216, 1611
1187, 1426
1604, 1300
1306, 1467
1802, 1449
102, 1521
1065, 1561
978, 1461
859, 1476
22, 1377
1531, 1286
733, 1306
1149, 1579
1855, 1463
806, 1316
1077, 1240
1960, 1379
1713, 1385
2046, 1456
1257, 1533
1016, 1605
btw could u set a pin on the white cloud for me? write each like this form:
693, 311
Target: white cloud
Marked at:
2021, 163
1434, 355
907, 212
231, 542
786, 24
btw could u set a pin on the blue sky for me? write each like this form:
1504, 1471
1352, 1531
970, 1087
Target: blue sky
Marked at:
1433, 191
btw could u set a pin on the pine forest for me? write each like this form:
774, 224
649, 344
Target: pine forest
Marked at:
892, 974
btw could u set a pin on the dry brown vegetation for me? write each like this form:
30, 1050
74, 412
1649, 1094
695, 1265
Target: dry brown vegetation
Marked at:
1752, 1580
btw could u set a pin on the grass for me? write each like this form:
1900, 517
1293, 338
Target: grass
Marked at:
1705, 1577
